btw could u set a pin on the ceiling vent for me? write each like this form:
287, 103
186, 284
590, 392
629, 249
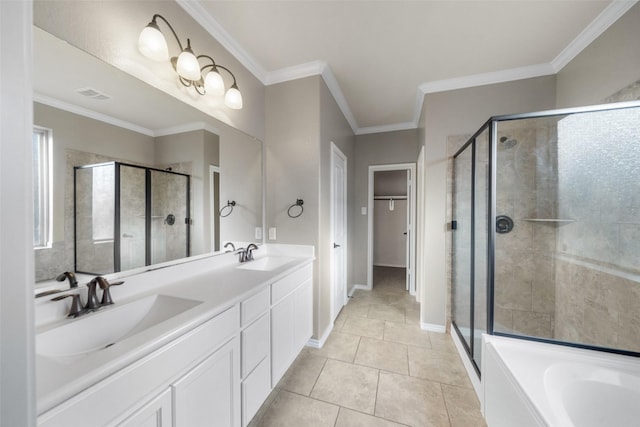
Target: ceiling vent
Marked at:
92, 93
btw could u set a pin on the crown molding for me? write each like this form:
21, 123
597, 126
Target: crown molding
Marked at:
211, 25
81, 111
187, 127
338, 96
386, 128
482, 79
295, 72
604, 20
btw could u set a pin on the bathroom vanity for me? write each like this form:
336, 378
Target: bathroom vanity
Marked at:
199, 343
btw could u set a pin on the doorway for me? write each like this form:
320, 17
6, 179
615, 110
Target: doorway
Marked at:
338, 231
391, 232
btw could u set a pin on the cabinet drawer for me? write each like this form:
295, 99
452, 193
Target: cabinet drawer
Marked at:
255, 344
255, 390
254, 307
286, 285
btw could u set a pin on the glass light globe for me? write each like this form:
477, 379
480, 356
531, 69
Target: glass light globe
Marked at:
188, 66
233, 98
152, 43
213, 83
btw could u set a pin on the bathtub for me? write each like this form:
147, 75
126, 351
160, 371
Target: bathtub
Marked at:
531, 384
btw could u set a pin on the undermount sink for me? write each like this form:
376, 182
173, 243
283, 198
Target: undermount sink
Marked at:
266, 264
97, 331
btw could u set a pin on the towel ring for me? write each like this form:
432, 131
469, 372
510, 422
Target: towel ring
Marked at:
299, 203
228, 207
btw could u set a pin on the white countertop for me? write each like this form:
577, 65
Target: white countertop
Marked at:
218, 287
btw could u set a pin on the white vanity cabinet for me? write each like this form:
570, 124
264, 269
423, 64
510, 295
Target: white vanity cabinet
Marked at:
216, 374
291, 319
156, 413
127, 397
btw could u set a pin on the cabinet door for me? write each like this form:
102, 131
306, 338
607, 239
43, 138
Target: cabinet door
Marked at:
155, 413
303, 315
282, 338
209, 395
255, 389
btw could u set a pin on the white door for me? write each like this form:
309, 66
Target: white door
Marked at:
409, 233
338, 231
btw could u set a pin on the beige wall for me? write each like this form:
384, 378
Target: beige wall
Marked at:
607, 65
302, 121
453, 113
375, 149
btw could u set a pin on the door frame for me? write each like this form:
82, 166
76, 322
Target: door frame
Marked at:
212, 206
335, 151
411, 225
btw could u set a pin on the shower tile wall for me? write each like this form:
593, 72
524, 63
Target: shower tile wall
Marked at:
598, 271
50, 262
524, 262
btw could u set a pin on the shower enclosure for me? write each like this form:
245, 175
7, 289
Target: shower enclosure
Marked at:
129, 216
546, 230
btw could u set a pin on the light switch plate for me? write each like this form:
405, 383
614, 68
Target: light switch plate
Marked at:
363, 210
258, 233
272, 233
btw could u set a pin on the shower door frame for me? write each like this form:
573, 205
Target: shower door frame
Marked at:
492, 126
471, 143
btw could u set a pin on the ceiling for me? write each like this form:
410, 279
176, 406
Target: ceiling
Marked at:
379, 58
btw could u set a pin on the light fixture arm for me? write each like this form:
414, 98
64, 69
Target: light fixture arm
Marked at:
153, 21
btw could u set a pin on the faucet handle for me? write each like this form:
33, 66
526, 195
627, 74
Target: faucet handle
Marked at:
76, 308
242, 253
250, 249
106, 294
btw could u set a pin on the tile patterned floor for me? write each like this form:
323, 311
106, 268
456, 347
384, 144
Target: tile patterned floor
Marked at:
377, 369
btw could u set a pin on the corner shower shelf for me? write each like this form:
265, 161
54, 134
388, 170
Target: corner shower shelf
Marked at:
550, 220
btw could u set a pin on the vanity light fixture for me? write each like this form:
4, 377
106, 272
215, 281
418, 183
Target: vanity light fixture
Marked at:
204, 79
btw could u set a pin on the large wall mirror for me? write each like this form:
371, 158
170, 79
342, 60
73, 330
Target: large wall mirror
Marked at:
151, 173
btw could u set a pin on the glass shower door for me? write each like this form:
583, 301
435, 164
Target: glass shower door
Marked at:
132, 212
169, 202
461, 245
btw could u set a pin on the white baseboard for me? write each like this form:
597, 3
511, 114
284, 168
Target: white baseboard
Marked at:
433, 327
319, 343
364, 287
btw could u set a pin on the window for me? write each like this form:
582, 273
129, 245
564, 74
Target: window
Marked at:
41, 187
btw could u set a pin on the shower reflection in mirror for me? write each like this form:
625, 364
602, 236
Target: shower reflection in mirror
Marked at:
129, 216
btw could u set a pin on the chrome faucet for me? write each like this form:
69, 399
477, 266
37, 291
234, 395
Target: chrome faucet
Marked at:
233, 247
249, 251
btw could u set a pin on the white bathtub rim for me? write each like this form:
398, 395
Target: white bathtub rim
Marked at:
529, 378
